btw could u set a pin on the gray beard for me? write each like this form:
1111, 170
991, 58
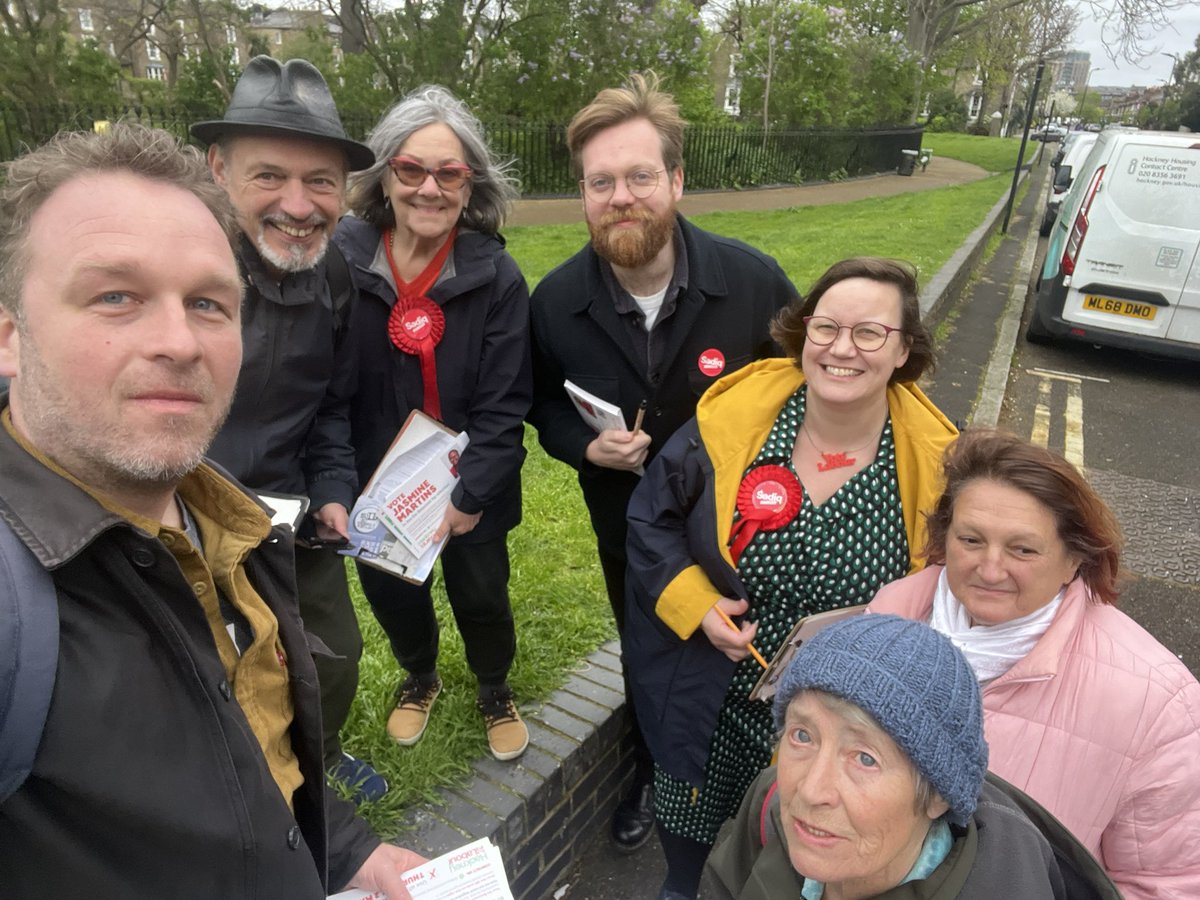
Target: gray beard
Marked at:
296, 261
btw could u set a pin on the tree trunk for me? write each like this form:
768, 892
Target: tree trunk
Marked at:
354, 31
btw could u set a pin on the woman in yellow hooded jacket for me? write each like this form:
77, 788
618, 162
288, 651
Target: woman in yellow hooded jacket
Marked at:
799, 487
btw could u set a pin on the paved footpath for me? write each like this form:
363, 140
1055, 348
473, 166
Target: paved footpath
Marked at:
940, 173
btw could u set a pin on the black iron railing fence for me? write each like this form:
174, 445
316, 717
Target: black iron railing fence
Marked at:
715, 156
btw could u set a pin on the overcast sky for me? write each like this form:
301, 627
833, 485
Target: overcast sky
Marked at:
1178, 38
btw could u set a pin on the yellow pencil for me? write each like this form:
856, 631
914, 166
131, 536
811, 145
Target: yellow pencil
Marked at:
728, 621
641, 414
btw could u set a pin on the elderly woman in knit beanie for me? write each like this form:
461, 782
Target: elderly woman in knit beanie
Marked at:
881, 786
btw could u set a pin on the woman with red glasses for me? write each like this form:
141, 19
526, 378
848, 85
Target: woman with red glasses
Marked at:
799, 487
441, 325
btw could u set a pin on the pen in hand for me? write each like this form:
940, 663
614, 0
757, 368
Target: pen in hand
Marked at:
728, 621
641, 414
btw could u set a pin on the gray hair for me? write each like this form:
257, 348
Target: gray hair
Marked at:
493, 189
124, 147
923, 788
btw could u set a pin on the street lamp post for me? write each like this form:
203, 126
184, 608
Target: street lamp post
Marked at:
1162, 109
1083, 96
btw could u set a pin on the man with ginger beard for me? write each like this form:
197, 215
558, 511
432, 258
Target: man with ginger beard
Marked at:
282, 156
646, 316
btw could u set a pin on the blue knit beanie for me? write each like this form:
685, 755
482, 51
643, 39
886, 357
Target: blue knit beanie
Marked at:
915, 684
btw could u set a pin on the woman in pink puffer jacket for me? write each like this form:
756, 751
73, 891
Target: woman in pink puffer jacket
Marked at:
1084, 710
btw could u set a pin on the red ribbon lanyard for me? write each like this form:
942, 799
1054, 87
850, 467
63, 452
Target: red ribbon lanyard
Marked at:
416, 324
768, 498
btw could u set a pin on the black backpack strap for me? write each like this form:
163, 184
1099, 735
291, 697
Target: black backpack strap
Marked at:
341, 288
28, 657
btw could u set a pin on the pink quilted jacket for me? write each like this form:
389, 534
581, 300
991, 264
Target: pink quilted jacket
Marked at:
1101, 724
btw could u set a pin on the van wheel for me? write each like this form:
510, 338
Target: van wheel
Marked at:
1047, 224
1035, 333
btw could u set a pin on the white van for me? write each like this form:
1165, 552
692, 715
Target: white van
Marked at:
1076, 152
1121, 267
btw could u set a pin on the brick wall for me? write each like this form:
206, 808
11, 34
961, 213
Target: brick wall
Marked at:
546, 808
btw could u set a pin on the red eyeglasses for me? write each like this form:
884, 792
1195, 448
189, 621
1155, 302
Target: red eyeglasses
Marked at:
449, 177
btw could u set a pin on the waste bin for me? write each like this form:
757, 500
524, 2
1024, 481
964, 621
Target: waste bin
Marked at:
908, 162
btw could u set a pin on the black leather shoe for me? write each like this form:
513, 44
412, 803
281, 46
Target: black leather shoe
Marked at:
633, 821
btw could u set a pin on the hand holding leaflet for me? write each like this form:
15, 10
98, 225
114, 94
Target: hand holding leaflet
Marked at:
474, 871
393, 523
600, 415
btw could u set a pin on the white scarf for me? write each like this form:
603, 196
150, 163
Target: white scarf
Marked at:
990, 649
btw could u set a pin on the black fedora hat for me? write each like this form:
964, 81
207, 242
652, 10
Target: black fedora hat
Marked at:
290, 100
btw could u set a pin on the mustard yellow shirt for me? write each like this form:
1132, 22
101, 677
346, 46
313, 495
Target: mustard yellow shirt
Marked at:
231, 526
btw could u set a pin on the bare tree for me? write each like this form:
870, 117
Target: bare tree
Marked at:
1127, 26
1007, 47
32, 40
176, 28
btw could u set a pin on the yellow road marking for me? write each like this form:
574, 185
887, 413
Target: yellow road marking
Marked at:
1073, 450
1072, 415
1041, 415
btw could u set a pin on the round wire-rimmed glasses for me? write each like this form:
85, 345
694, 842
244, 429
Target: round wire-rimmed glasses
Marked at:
449, 177
867, 336
640, 182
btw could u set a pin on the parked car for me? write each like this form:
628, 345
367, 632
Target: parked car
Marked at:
1064, 146
1049, 133
1122, 266
1078, 144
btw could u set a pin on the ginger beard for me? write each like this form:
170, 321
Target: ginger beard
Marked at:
632, 248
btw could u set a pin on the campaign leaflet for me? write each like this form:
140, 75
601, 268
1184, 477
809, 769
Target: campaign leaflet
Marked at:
416, 477
474, 871
426, 477
600, 415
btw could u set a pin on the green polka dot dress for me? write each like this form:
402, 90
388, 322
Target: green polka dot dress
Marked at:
834, 555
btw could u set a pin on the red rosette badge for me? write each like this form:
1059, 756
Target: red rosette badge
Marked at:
416, 325
769, 497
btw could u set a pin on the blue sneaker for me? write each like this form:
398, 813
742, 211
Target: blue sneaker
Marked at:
366, 784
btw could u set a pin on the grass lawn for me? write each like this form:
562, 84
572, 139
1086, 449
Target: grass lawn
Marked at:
993, 154
557, 591
925, 228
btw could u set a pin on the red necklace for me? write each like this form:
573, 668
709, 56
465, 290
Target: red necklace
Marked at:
840, 460
416, 324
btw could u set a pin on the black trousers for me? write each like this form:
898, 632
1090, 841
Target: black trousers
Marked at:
476, 577
607, 499
328, 612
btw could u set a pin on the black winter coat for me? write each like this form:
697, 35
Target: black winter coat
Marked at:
483, 370
289, 427
733, 293
148, 781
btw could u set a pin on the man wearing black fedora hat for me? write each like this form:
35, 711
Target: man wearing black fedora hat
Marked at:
281, 154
